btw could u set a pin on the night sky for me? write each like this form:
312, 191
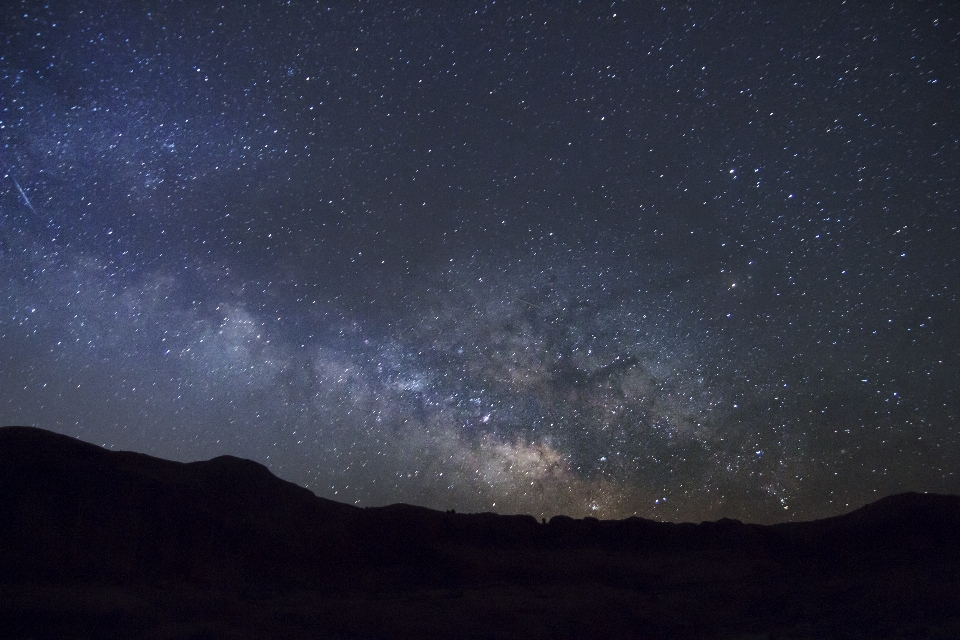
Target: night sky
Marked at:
611, 259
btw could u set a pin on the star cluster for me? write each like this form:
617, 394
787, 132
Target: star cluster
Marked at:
681, 261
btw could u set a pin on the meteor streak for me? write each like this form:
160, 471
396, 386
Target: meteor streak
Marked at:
24, 194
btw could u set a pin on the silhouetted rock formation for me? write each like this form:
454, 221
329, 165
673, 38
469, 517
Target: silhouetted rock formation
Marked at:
95, 543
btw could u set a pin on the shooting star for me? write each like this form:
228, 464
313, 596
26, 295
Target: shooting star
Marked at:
529, 304
24, 194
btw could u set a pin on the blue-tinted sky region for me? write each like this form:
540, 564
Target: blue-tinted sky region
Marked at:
682, 262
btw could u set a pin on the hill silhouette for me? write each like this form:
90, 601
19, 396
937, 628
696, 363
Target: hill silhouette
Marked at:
99, 544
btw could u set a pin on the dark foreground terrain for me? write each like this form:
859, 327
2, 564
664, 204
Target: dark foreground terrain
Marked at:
100, 544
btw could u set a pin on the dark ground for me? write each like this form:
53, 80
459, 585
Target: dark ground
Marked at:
100, 544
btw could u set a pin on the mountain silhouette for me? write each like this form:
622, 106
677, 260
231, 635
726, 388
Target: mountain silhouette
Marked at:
103, 544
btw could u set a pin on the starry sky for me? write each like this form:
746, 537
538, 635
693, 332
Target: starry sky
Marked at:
605, 258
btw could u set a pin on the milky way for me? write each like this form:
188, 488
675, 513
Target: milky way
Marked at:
676, 262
